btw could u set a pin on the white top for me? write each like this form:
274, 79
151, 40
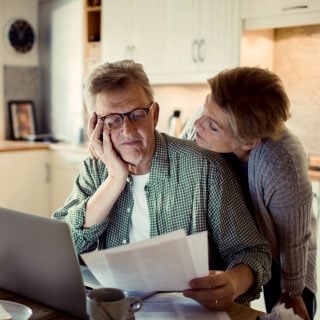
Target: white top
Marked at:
140, 221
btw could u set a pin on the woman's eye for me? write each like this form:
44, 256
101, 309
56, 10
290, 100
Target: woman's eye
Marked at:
212, 127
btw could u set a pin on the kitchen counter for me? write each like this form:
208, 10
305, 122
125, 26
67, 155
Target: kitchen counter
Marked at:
11, 145
7, 146
314, 167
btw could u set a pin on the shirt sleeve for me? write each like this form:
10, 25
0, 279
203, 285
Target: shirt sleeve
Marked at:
74, 210
235, 232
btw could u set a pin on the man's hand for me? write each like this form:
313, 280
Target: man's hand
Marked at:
216, 291
297, 304
103, 149
219, 289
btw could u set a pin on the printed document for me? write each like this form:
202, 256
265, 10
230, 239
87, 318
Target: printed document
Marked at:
163, 263
174, 306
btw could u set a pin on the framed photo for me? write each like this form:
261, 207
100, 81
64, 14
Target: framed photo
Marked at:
22, 119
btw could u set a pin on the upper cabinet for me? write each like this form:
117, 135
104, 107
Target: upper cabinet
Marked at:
279, 13
200, 38
177, 41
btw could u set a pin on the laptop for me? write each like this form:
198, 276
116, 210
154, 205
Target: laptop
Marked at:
38, 261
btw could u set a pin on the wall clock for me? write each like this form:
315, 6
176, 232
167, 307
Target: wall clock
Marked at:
21, 35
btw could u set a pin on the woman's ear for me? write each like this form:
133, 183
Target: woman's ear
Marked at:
251, 144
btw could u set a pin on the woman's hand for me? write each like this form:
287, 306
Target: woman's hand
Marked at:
216, 291
297, 304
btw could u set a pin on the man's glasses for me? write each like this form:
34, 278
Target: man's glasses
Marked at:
115, 120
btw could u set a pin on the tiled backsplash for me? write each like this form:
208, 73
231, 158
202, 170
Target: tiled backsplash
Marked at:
297, 62
23, 83
185, 98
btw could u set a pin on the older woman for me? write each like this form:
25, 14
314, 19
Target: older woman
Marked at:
243, 117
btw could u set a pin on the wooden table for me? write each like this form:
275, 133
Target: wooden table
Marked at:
40, 311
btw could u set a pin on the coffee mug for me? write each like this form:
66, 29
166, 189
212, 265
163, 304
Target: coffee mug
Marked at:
111, 304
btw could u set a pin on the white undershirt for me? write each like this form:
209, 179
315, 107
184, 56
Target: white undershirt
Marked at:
140, 221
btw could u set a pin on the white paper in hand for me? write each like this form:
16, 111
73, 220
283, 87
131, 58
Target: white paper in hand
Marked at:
164, 263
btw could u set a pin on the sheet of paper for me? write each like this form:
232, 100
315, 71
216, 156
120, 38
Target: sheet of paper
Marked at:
174, 306
163, 263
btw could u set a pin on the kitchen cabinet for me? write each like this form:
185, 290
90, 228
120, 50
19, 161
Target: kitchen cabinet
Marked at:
180, 41
201, 37
259, 14
131, 30
64, 168
25, 181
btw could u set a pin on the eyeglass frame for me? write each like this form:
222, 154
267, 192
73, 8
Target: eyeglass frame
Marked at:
127, 114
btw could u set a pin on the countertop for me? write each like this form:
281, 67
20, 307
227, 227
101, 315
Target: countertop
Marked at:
11, 145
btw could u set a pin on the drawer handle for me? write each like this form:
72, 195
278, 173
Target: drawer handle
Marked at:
294, 8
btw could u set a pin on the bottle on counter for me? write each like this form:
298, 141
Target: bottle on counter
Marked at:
175, 125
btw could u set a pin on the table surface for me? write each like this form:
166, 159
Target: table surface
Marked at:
40, 311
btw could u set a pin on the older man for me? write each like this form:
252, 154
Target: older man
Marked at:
141, 183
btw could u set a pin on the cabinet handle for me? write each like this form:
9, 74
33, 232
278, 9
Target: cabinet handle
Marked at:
201, 50
294, 8
194, 54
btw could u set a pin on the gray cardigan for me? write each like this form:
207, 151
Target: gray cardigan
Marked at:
281, 200
281, 195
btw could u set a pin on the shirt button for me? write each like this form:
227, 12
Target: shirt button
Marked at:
128, 210
124, 241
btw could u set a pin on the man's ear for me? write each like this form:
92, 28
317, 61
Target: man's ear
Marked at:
251, 144
155, 113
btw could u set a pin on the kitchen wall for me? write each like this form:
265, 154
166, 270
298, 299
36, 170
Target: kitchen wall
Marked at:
185, 98
9, 10
297, 61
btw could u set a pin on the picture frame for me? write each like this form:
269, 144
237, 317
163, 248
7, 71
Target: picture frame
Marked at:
22, 119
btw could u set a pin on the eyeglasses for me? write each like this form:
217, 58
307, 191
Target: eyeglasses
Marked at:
115, 120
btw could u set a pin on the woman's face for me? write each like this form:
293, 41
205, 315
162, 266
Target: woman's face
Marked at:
213, 131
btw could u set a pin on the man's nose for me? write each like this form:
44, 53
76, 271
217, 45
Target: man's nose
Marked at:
127, 125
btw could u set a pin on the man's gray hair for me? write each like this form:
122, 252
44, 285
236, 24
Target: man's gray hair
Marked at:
115, 76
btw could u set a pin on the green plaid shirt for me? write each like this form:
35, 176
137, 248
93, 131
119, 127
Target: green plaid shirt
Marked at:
189, 188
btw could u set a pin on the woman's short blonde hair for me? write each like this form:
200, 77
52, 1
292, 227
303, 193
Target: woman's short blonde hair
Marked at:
115, 76
254, 100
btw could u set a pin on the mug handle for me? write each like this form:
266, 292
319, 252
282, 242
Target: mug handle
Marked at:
135, 303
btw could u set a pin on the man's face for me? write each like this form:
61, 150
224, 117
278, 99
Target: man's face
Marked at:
134, 142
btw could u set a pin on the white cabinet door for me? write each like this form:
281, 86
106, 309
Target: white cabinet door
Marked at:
25, 181
218, 35
179, 38
64, 168
147, 35
258, 8
258, 14
131, 30
117, 30
200, 38
177, 41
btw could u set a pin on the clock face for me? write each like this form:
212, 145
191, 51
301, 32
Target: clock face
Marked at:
21, 35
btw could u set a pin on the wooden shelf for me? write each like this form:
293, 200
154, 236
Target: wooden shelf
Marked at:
93, 9
92, 34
